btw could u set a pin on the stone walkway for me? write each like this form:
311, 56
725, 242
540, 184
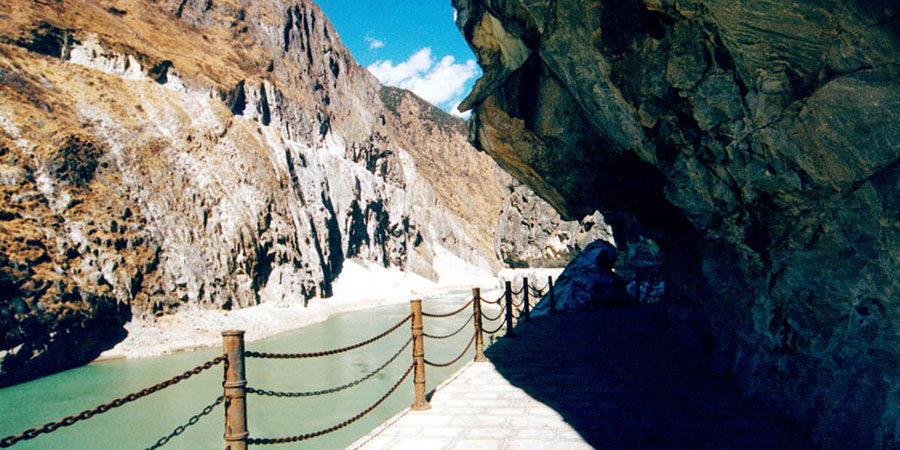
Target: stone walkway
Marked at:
606, 379
479, 409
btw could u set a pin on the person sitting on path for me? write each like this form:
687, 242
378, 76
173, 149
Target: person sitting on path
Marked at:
608, 288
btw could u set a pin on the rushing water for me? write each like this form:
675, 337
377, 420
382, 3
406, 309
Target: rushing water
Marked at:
141, 423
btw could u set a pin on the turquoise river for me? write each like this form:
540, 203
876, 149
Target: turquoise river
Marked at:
139, 424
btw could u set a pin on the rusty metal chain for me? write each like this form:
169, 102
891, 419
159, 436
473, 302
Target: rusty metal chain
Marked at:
88, 413
191, 422
499, 327
440, 316
491, 319
453, 333
264, 355
302, 437
332, 390
457, 358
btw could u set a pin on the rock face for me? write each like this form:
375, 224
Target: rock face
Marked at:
756, 142
157, 155
530, 233
461, 179
161, 155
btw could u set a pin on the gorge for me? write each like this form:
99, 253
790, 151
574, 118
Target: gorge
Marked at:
157, 155
160, 155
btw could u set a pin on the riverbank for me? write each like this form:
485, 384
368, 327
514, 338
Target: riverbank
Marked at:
360, 286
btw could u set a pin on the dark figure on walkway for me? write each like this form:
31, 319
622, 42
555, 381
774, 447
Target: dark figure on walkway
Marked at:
608, 288
588, 282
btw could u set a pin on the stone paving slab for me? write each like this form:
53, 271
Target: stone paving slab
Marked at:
614, 379
477, 409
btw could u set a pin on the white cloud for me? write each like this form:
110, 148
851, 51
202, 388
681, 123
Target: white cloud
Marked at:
442, 83
402, 73
374, 44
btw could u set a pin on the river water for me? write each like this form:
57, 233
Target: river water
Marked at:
141, 423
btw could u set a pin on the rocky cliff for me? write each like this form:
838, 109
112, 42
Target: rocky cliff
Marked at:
530, 233
756, 142
157, 155
464, 181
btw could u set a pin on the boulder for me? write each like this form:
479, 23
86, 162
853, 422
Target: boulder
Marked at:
588, 282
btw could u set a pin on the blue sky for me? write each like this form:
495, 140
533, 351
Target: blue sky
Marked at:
412, 44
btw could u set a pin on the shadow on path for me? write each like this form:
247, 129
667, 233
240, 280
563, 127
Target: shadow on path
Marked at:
614, 377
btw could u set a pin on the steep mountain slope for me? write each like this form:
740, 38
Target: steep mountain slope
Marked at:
158, 158
158, 154
162, 154
505, 217
756, 142
466, 181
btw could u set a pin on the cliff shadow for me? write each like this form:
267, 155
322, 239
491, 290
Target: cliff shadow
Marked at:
616, 378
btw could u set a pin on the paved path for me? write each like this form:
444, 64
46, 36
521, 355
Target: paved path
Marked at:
607, 379
479, 409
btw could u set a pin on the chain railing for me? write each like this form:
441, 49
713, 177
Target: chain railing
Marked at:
491, 319
50, 427
448, 336
496, 330
551, 301
515, 310
191, 422
333, 390
333, 428
327, 352
455, 360
540, 291
494, 302
449, 314
235, 385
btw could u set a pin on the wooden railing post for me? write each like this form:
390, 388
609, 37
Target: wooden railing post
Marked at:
552, 300
235, 396
509, 311
420, 402
527, 311
479, 338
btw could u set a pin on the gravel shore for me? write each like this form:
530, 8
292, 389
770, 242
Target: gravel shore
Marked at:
360, 286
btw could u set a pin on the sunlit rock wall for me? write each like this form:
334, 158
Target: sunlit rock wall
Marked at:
530, 233
756, 142
193, 154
